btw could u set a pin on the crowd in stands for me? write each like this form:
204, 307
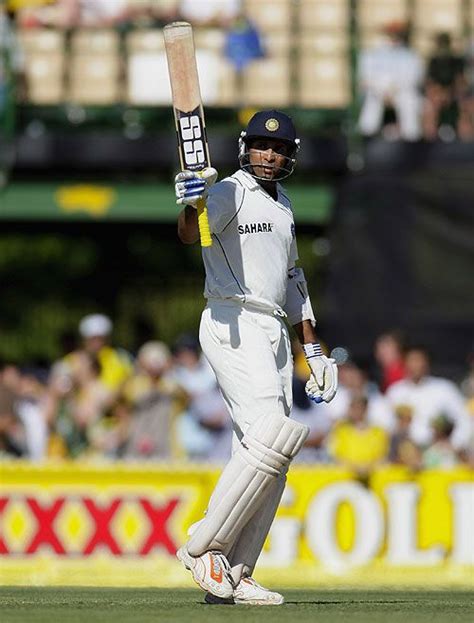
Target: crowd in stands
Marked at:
98, 402
430, 99
402, 93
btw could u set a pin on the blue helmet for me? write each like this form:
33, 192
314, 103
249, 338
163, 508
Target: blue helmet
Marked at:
269, 124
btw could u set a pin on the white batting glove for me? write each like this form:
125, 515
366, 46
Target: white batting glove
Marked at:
191, 187
322, 384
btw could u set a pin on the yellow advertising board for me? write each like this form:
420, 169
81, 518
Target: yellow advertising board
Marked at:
120, 525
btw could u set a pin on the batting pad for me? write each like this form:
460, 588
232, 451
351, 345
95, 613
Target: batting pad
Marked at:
264, 454
249, 544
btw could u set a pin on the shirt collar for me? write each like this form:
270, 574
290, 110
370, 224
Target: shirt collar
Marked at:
247, 180
252, 184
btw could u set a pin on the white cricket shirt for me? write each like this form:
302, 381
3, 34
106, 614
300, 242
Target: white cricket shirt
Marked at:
253, 246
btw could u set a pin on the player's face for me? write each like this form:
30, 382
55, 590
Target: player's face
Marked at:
267, 157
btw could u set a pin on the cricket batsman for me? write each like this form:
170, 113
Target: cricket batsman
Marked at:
253, 287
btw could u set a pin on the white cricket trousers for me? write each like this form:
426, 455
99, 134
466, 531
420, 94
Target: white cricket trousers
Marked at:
250, 353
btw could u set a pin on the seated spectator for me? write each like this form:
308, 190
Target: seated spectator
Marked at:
155, 401
402, 449
11, 434
444, 87
429, 397
441, 452
355, 443
388, 353
115, 363
76, 400
192, 371
391, 75
29, 393
309, 413
30, 408
210, 412
354, 379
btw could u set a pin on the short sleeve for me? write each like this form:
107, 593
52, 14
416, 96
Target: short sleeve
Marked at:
224, 201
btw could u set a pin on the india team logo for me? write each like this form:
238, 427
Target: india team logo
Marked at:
272, 124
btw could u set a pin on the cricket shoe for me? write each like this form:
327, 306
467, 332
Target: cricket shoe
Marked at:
249, 592
211, 571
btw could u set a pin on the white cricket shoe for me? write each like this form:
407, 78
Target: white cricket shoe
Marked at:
249, 592
211, 571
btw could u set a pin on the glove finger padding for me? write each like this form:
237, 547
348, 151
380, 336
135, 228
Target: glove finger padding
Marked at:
323, 381
191, 187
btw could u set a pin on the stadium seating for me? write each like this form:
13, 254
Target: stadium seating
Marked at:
147, 71
438, 16
323, 81
372, 15
266, 82
95, 65
270, 15
44, 65
323, 15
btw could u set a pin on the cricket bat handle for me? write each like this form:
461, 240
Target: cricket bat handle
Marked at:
203, 222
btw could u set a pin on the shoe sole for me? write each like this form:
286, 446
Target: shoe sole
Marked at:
215, 601
181, 556
257, 602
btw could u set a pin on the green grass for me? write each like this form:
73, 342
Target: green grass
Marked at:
113, 605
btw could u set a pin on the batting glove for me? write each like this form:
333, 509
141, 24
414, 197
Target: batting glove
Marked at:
322, 384
191, 187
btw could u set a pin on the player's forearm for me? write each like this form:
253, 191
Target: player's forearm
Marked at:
188, 228
305, 332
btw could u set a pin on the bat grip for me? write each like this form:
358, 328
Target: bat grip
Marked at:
203, 222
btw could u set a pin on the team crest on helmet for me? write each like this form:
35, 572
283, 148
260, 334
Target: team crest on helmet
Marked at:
272, 124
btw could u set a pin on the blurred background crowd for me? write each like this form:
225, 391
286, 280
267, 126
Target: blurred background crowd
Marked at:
382, 94
99, 402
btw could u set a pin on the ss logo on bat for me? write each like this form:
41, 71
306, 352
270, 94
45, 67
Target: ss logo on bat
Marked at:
191, 136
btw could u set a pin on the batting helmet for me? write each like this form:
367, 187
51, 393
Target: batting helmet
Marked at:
269, 124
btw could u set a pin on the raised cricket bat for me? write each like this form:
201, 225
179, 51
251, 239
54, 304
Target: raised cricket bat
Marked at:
188, 111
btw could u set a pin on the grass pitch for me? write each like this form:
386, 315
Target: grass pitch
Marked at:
114, 605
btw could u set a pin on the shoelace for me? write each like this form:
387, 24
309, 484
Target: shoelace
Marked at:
226, 568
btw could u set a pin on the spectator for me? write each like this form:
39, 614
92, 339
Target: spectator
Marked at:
115, 363
29, 394
429, 397
154, 403
11, 442
354, 380
76, 400
391, 75
402, 449
30, 409
243, 43
444, 86
195, 375
211, 414
355, 443
388, 353
441, 452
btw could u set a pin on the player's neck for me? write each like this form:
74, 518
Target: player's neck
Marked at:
269, 187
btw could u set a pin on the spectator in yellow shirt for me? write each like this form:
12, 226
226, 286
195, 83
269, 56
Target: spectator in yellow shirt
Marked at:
354, 442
